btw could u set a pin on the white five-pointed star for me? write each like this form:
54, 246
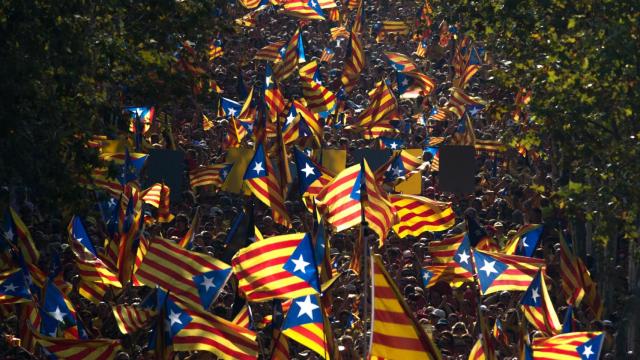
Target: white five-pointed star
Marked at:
307, 170
301, 265
10, 287
524, 242
8, 234
223, 173
464, 257
588, 351
232, 112
58, 314
250, 127
313, 4
534, 294
268, 80
397, 171
306, 307
258, 168
290, 118
393, 145
426, 276
405, 82
207, 283
489, 267
174, 318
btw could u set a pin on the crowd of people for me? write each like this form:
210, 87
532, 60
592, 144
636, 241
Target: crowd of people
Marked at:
512, 189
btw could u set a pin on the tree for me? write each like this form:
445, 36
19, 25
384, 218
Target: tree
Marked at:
68, 68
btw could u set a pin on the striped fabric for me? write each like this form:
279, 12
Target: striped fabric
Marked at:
285, 68
354, 63
459, 100
339, 208
13, 287
270, 52
378, 209
209, 175
339, 32
395, 333
577, 284
421, 51
389, 27
465, 134
401, 164
327, 55
499, 272
198, 330
263, 268
196, 278
72, 349
92, 291
29, 319
261, 180
301, 10
382, 104
422, 85
358, 21
131, 318
280, 347
243, 318
235, 134
17, 233
207, 124
490, 146
215, 50
537, 307
94, 270
462, 79
304, 324
400, 62
443, 253
319, 98
250, 4
569, 346
417, 214
153, 195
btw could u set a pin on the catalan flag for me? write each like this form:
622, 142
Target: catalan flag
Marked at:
391, 143
460, 100
14, 287
262, 181
467, 73
525, 241
328, 54
236, 132
270, 52
73, 349
388, 27
57, 312
132, 318
196, 278
421, 51
454, 253
215, 174
231, 108
401, 165
499, 272
304, 324
400, 62
303, 9
156, 195
16, 235
395, 332
413, 84
272, 96
417, 214
79, 239
140, 118
576, 345
207, 124
250, 4
382, 104
286, 67
277, 267
537, 307
354, 63
215, 49
319, 98
489, 146
280, 346
243, 317
577, 284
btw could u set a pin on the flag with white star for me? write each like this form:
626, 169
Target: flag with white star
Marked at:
570, 346
80, 241
230, 107
500, 272
15, 235
525, 241
311, 176
391, 143
304, 324
277, 267
538, 308
13, 287
193, 277
57, 312
262, 181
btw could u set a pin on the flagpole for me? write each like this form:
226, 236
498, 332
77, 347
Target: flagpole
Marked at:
364, 243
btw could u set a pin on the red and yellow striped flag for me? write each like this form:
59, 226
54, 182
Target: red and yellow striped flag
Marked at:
354, 63
73, 349
285, 68
270, 52
417, 214
132, 318
395, 332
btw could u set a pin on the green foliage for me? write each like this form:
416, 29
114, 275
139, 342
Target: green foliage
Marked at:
67, 69
581, 59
